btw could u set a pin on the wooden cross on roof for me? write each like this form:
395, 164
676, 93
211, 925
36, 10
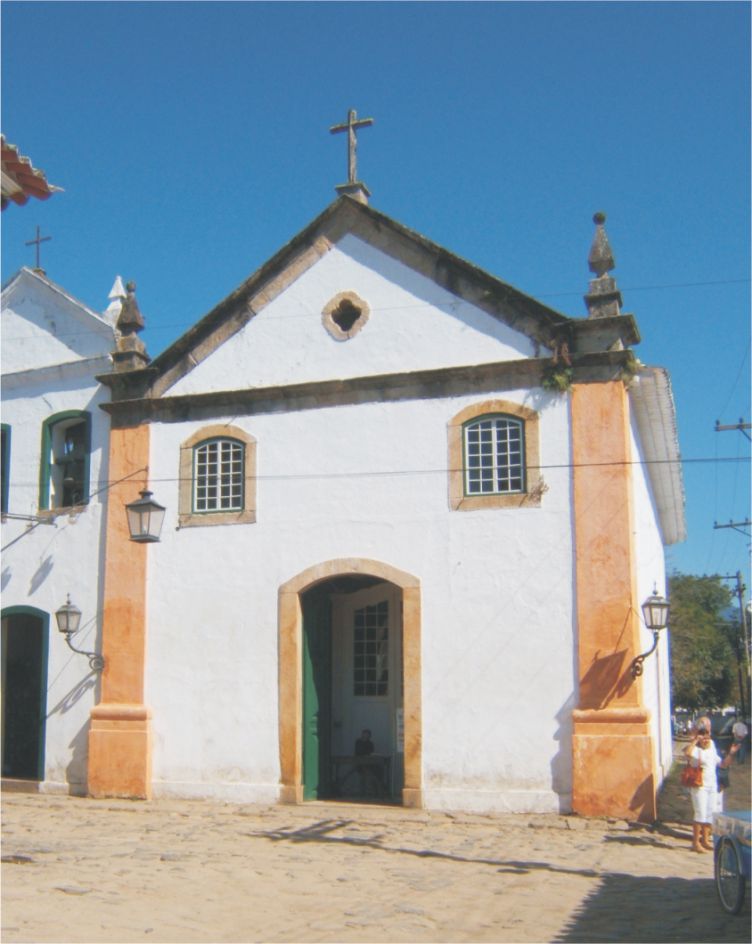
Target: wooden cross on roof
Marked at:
35, 242
350, 126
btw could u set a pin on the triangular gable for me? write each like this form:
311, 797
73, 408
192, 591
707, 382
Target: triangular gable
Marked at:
346, 218
44, 326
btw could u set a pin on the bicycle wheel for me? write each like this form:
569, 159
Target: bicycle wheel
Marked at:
729, 878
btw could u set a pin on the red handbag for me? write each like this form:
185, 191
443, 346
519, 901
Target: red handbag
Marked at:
691, 776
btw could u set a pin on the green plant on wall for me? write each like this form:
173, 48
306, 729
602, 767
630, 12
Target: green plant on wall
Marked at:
557, 377
629, 369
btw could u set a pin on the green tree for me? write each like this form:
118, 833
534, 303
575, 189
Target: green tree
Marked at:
703, 664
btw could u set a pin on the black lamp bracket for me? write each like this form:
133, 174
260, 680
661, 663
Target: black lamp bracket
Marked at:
636, 666
96, 662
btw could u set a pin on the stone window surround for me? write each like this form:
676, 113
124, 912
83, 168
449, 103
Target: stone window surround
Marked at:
327, 316
531, 497
187, 517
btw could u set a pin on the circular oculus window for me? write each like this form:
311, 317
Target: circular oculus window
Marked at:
345, 315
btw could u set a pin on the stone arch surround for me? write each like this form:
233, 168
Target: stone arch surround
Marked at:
290, 630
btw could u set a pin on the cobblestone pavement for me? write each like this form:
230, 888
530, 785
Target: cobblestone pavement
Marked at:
82, 870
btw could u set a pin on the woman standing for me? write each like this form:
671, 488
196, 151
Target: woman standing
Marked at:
706, 799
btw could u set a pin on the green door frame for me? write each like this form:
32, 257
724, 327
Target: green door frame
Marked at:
317, 688
44, 620
290, 675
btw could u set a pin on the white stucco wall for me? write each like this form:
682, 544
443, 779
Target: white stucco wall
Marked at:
414, 325
651, 572
369, 481
44, 326
43, 563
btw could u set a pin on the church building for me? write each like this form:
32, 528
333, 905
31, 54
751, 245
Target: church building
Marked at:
399, 496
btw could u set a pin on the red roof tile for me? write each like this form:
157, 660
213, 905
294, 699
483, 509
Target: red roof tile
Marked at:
20, 180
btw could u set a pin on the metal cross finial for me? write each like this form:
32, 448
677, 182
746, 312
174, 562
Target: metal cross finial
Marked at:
37, 241
353, 122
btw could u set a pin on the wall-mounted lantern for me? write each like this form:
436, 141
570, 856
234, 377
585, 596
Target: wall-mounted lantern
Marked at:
145, 517
655, 612
68, 621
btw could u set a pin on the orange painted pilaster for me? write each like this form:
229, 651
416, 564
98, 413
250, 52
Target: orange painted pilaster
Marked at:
613, 753
120, 732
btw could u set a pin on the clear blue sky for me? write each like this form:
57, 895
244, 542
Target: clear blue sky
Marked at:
192, 140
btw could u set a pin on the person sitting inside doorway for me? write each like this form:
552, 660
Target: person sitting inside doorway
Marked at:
369, 774
364, 745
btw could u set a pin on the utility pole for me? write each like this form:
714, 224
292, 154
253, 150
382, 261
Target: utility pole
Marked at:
741, 427
736, 525
744, 684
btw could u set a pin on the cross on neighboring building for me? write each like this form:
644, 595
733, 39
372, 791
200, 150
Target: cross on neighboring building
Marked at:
353, 123
36, 242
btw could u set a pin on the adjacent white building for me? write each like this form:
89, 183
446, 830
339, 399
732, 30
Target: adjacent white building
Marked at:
55, 448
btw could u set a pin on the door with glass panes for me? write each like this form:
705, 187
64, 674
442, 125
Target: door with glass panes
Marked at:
367, 674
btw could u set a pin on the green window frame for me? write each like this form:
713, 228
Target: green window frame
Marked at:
4, 467
66, 457
494, 455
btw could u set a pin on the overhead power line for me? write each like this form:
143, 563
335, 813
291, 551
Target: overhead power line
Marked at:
650, 288
158, 328
367, 473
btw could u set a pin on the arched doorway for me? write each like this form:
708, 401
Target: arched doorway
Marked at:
24, 687
339, 673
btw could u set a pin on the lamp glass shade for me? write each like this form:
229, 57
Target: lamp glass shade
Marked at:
68, 618
655, 612
145, 518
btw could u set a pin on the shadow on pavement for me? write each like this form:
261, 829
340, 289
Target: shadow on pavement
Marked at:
322, 832
625, 908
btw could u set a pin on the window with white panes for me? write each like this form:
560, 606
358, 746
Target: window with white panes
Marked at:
371, 650
218, 475
494, 450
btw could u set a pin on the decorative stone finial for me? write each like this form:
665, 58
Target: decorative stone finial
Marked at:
131, 320
601, 259
604, 299
130, 353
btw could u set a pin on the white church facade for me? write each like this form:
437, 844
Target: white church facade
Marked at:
400, 496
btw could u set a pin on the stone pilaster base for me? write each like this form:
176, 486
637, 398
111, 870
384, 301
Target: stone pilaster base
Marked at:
613, 768
290, 794
120, 751
412, 798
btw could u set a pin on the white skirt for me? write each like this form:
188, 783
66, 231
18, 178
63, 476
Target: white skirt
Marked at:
705, 802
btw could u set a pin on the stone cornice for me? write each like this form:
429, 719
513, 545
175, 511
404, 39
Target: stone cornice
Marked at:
413, 385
